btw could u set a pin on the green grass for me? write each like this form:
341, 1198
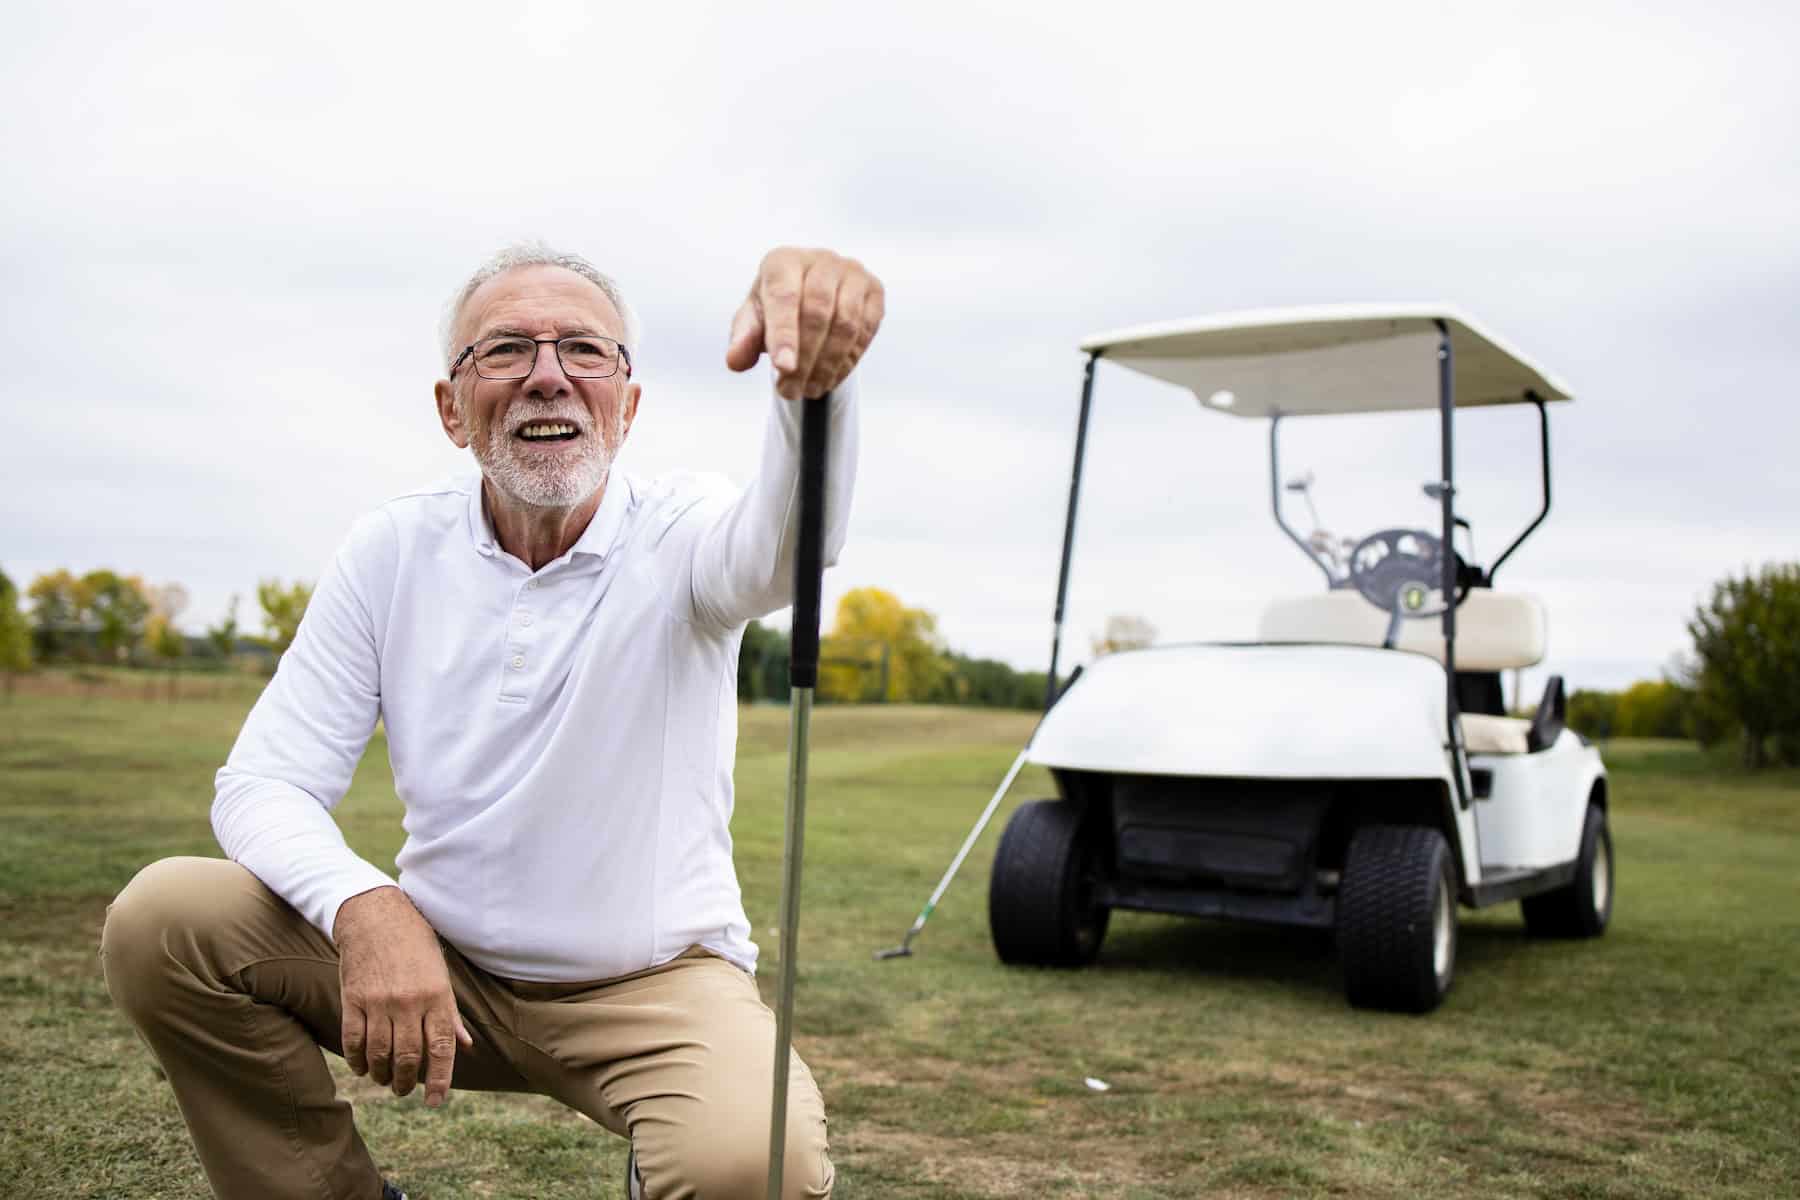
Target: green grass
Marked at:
1660, 1061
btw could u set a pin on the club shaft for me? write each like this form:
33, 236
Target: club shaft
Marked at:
803, 676
800, 701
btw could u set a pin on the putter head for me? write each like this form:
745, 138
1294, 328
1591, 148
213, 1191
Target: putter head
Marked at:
894, 952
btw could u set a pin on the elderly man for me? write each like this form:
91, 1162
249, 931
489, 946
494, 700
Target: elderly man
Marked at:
552, 647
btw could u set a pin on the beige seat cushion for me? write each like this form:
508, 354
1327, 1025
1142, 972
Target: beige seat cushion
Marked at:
1495, 631
1483, 734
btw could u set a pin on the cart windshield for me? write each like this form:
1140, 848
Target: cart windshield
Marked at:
1177, 537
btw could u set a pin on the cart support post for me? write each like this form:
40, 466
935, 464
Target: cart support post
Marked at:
1275, 500
1068, 546
1544, 464
803, 676
1446, 418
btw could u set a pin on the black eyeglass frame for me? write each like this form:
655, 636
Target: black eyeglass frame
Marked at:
624, 355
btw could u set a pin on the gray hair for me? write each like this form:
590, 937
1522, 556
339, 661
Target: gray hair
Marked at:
534, 253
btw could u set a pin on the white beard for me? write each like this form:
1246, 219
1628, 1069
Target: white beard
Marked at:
521, 475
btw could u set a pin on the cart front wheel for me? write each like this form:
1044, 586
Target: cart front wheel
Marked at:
1041, 899
1396, 918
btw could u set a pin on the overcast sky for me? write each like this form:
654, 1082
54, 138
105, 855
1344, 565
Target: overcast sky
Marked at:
228, 235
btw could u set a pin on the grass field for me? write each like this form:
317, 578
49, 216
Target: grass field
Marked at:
1660, 1061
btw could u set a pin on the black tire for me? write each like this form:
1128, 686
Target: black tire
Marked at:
1581, 908
1041, 906
1396, 918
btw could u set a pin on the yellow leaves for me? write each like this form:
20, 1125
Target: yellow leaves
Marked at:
880, 650
165, 641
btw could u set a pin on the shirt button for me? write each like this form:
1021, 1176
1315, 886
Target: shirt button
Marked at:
531, 585
518, 662
525, 620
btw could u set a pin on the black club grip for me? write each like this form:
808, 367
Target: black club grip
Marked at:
809, 555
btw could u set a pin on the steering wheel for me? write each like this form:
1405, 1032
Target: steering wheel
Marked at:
1401, 572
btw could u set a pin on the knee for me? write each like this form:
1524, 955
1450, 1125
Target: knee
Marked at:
806, 1168
719, 1167
806, 1171
162, 913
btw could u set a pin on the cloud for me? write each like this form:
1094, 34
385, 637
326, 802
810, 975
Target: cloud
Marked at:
230, 228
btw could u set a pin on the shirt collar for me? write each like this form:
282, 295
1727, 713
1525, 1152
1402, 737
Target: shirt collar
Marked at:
603, 530
480, 532
596, 541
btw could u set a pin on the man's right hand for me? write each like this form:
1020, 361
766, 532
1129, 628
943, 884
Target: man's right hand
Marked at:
399, 1013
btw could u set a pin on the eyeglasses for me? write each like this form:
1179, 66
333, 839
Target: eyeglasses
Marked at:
582, 355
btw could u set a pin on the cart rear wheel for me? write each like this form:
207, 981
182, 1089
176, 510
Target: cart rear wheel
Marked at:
1041, 905
1582, 907
1396, 918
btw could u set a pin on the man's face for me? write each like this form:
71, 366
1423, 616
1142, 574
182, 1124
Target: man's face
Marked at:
545, 441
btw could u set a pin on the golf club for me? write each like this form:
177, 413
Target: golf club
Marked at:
803, 676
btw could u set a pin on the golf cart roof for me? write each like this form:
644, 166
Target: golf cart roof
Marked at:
1337, 358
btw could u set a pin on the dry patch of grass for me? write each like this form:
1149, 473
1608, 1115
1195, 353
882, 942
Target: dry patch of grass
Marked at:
1242, 1128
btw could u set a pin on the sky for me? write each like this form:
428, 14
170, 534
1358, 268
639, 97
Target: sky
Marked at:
229, 232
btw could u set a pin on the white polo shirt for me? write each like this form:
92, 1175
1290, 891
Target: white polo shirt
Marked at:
562, 739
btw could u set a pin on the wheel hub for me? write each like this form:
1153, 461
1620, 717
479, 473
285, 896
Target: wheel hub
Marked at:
1443, 927
1602, 878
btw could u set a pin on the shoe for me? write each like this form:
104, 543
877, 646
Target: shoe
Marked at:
390, 1192
634, 1183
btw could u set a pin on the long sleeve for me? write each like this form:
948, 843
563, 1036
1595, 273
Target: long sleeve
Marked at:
743, 563
295, 756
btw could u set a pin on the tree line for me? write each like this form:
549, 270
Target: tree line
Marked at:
1650, 708
879, 651
1740, 684
107, 618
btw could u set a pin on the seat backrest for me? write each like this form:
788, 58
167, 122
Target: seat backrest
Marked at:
1551, 718
1495, 631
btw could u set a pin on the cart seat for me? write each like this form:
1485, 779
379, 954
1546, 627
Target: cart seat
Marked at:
1495, 631
1484, 734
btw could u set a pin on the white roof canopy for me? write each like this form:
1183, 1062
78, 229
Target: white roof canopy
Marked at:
1341, 358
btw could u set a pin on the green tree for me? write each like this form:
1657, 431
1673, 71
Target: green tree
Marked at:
988, 683
119, 607
164, 639
872, 627
15, 634
1653, 708
1747, 659
762, 664
282, 609
57, 616
224, 635
1595, 714
161, 634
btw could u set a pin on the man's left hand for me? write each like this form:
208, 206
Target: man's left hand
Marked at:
814, 312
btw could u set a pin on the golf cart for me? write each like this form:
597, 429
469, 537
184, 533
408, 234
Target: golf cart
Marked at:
1354, 768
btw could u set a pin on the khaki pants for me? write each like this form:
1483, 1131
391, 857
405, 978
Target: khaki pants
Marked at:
235, 993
